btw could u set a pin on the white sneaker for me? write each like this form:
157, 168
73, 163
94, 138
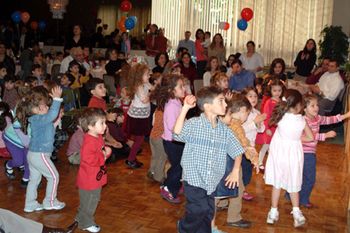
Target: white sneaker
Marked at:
57, 205
299, 218
95, 228
272, 217
38, 207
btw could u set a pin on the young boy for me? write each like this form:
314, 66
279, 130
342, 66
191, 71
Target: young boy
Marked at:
79, 79
207, 143
10, 92
37, 72
3, 73
67, 92
237, 113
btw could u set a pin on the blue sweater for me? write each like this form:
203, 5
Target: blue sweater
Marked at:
242, 80
43, 130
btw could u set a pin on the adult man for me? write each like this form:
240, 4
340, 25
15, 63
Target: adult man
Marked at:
318, 72
328, 87
188, 44
241, 78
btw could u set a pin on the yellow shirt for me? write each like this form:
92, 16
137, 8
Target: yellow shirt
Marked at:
79, 81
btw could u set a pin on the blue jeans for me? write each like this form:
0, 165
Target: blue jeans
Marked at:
309, 178
174, 151
200, 208
247, 170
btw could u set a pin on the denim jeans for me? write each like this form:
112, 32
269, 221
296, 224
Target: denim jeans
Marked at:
309, 178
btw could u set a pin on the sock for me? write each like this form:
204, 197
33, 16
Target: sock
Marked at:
25, 180
274, 210
9, 169
296, 209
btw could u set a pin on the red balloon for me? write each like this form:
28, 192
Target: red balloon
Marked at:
34, 25
247, 14
25, 16
227, 26
125, 6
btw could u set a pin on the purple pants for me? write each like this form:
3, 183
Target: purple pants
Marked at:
19, 157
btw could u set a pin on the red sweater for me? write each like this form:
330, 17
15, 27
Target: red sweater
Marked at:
96, 102
92, 161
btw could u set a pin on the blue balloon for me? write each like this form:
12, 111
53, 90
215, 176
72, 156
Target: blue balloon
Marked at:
16, 17
242, 24
42, 24
134, 18
129, 23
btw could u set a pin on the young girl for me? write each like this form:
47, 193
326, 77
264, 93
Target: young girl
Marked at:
275, 90
252, 126
5, 122
169, 96
92, 174
284, 166
42, 134
16, 138
125, 46
138, 123
314, 121
212, 68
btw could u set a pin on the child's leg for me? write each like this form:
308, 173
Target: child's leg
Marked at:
262, 153
16, 153
135, 148
294, 197
174, 151
275, 196
34, 179
160, 160
154, 154
247, 170
199, 210
309, 177
88, 204
26, 166
235, 204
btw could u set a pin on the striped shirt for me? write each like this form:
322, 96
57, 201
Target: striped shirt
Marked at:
314, 124
204, 156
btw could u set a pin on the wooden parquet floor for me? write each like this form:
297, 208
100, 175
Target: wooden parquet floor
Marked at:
131, 203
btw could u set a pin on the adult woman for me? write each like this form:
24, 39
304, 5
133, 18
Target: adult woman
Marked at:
188, 69
200, 52
217, 48
252, 60
76, 41
212, 68
305, 61
161, 60
151, 45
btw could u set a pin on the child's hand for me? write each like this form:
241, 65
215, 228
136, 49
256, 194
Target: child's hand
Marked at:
107, 151
331, 134
269, 132
228, 95
190, 101
56, 92
345, 116
260, 118
130, 143
232, 180
116, 144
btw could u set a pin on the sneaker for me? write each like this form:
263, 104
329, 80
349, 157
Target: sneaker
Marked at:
57, 205
247, 197
299, 218
166, 195
272, 217
95, 228
241, 224
24, 183
37, 207
9, 172
21, 168
132, 164
215, 229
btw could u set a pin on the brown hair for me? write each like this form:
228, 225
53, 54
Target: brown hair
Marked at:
246, 90
165, 90
206, 95
308, 97
292, 99
135, 77
237, 102
217, 77
208, 68
89, 117
212, 45
274, 81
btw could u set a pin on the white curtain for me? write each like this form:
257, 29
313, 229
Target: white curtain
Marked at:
108, 15
279, 28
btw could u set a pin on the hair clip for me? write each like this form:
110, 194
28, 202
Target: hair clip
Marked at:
284, 99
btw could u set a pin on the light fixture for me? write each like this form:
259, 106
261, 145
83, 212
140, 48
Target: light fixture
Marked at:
58, 8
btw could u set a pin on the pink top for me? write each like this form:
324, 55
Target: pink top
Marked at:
314, 124
172, 110
200, 51
76, 141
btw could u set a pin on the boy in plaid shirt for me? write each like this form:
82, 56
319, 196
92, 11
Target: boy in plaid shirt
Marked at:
207, 143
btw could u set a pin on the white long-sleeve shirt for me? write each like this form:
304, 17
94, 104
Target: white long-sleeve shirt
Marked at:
250, 128
330, 85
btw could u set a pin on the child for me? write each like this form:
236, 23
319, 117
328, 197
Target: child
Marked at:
31, 81
212, 68
284, 164
42, 134
137, 123
5, 122
125, 46
238, 109
10, 93
80, 79
275, 90
92, 174
61, 136
314, 121
37, 72
252, 127
3, 73
169, 95
207, 40
207, 143
67, 93
16, 138
220, 80
74, 146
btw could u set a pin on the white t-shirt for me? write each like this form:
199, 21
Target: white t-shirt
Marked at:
250, 128
65, 64
253, 62
331, 85
206, 79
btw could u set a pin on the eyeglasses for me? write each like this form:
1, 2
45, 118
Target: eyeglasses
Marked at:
101, 172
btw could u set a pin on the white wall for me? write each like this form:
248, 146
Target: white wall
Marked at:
341, 12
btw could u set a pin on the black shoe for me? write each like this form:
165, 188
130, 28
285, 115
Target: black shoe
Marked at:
111, 159
132, 164
241, 224
139, 163
10, 175
139, 152
24, 184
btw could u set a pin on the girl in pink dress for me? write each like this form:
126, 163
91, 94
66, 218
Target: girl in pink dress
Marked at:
275, 88
284, 166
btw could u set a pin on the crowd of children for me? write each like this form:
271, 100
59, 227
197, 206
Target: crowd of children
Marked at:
211, 154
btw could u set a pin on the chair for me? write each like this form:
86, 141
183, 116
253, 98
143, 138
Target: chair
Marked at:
110, 84
198, 84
